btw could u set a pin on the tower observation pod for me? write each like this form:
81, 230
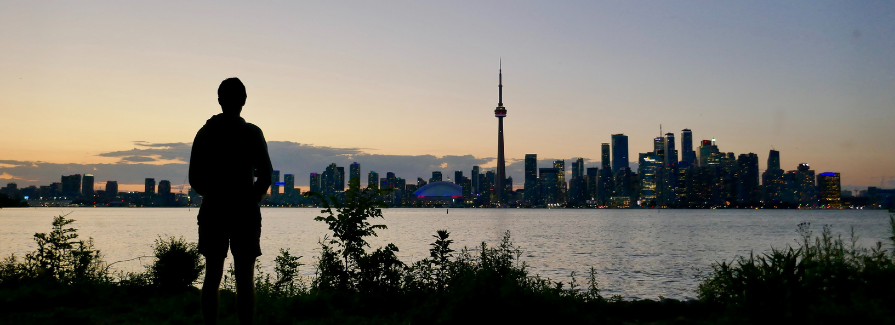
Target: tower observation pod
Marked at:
500, 112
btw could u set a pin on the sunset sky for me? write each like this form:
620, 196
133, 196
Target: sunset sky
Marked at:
119, 89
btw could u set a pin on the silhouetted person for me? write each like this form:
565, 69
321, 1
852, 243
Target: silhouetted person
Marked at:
231, 169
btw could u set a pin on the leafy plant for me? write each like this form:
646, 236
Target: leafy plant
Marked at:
178, 263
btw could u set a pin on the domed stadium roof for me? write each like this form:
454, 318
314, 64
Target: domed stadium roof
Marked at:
440, 189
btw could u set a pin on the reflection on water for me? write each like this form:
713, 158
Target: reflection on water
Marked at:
637, 253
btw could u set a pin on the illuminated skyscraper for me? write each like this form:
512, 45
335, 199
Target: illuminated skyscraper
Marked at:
500, 112
830, 190
578, 168
71, 185
475, 176
604, 157
772, 181
747, 190
619, 152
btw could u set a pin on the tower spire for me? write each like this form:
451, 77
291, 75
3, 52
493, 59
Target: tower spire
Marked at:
500, 82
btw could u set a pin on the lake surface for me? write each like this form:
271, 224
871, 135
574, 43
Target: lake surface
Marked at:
637, 253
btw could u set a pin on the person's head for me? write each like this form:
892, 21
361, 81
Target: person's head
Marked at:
231, 96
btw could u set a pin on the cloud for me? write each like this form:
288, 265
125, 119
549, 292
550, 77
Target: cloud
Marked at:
170, 161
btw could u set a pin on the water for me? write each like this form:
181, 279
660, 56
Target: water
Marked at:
637, 253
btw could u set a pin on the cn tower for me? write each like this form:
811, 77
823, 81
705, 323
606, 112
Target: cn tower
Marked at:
500, 112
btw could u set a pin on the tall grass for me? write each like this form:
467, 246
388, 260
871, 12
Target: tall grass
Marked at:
825, 279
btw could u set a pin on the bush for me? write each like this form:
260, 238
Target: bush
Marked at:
178, 264
60, 256
825, 279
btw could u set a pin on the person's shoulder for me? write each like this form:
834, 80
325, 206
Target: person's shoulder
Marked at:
253, 128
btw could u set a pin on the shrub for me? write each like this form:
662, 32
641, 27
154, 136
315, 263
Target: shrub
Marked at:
825, 277
60, 256
177, 265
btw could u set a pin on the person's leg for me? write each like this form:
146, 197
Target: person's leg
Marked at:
214, 269
245, 287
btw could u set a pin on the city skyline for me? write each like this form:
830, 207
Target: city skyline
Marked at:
84, 82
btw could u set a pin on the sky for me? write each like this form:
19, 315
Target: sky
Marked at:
119, 89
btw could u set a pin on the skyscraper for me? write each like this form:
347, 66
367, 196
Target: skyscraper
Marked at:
578, 168
774, 159
71, 185
289, 186
476, 182
87, 186
373, 179
772, 181
500, 112
164, 193
830, 190
458, 177
340, 179
748, 192
354, 169
149, 187
670, 150
274, 185
604, 157
111, 189
315, 183
531, 178
687, 153
436, 177
619, 152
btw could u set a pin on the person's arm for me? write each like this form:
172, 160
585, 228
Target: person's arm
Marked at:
197, 165
263, 168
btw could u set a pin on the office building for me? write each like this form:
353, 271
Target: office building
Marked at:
436, 177
747, 189
315, 183
475, 177
373, 179
619, 152
687, 153
71, 185
165, 197
87, 186
829, 190
670, 150
289, 187
149, 188
772, 183
111, 190
354, 170
458, 177
274, 185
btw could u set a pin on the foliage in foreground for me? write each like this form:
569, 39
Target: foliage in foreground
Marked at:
824, 280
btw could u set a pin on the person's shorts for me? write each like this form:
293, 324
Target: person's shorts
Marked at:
228, 226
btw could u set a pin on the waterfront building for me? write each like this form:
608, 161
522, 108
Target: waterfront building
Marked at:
111, 190
659, 148
87, 186
165, 197
354, 170
148, 189
274, 185
772, 182
605, 161
340, 179
619, 152
548, 180
687, 153
649, 165
561, 185
71, 185
289, 188
531, 186
373, 179
747, 189
706, 150
475, 176
592, 175
829, 189
670, 151
315, 183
